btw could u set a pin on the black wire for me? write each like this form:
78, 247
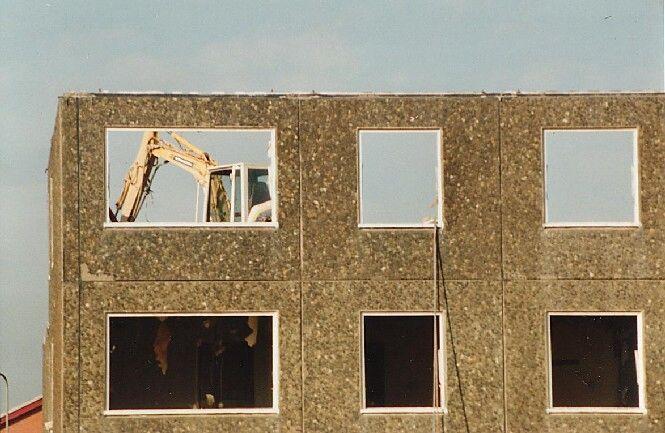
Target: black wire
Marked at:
439, 271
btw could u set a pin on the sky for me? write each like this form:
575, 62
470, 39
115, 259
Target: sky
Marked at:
51, 47
398, 176
590, 176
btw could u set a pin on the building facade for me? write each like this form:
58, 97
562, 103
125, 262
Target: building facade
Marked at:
541, 308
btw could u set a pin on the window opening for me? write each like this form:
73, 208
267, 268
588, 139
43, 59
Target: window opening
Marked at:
399, 178
403, 362
191, 362
591, 177
595, 361
162, 177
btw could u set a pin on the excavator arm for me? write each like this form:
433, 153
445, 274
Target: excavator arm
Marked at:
140, 174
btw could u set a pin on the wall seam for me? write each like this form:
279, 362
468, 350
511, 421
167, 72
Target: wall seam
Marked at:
506, 280
503, 280
78, 241
302, 300
289, 280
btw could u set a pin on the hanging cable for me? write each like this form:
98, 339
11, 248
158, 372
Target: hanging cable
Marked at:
438, 270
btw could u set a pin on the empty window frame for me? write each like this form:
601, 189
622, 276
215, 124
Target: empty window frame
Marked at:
596, 362
192, 363
591, 177
190, 177
399, 177
403, 363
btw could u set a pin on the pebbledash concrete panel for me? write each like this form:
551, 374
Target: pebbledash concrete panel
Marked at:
333, 246
101, 298
474, 351
53, 340
63, 272
500, 270
187, 253
332, 383
532, 251
474, 375
68, 162
527, 305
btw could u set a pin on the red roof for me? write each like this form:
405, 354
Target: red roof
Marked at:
26, 409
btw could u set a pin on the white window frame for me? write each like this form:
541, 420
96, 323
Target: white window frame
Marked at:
441, 369
272, 174
640, 367
635, 184
221, 411
439, 182
243, 168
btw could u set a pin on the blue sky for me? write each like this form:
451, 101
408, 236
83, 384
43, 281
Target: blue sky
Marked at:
50, 47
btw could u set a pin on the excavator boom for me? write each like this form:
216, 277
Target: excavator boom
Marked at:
139, 176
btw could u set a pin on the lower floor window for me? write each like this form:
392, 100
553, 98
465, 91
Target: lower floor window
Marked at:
403, 362
224, 362
595, 362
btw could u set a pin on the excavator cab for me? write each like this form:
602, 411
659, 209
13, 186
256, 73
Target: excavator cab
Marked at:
239, 192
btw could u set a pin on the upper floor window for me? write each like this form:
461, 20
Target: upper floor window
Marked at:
591, 177
399, 175
157, 177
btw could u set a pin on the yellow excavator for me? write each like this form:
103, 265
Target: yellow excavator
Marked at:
234, 192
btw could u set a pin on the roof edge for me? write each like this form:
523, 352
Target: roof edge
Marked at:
19, 412
357, 94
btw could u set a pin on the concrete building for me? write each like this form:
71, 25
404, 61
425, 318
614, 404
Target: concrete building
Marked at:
537, 306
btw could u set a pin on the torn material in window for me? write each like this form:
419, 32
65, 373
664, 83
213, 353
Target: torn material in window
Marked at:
190, 362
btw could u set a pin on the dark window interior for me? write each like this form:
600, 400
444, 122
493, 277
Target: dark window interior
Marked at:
259, 190
400, 361
593, 361
190, 362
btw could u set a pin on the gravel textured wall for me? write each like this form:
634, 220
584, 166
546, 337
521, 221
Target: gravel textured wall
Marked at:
502, 271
